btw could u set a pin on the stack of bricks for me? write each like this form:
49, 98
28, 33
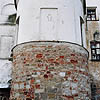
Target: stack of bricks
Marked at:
50, 71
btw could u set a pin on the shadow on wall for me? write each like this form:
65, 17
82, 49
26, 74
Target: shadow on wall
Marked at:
12, 18
95, 88
4, 93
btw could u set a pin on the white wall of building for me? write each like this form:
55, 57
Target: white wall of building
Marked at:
7, 40
6, 8
51, 20
5, 73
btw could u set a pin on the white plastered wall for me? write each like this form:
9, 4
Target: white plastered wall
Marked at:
6, 9
68, 21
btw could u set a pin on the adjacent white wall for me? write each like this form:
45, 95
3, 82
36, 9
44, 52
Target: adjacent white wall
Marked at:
35, 23
7, 39
5, 73
6, 32
6, 8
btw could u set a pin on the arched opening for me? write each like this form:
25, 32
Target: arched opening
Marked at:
8, 9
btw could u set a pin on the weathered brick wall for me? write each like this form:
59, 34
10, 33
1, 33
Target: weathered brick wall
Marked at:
50, 71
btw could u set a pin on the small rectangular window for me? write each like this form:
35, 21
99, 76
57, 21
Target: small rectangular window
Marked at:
95, 50
91, 13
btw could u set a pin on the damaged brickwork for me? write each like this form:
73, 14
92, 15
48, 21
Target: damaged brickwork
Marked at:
50, 71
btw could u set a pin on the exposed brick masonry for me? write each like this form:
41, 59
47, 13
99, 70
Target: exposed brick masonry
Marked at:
50, 71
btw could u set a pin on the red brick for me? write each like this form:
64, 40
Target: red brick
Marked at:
51, 60
39, 55
75, 80
72, 54
45, 76
74, 61
68, 72
61, 57
37, 86
32, 81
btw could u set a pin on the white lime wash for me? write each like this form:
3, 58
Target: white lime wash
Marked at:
51, 20
7, 40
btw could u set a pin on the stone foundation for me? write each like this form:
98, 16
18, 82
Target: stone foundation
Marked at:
50, 71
